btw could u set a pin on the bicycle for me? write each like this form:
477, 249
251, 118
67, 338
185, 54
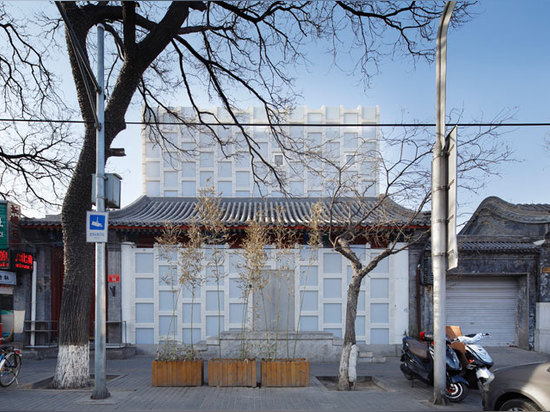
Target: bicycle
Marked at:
10, 365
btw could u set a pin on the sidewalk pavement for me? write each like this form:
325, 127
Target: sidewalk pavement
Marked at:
131, 390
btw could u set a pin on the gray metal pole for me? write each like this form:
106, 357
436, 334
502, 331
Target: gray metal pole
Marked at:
100, 386
439, 211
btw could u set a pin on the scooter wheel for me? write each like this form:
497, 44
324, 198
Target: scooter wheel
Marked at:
456, 392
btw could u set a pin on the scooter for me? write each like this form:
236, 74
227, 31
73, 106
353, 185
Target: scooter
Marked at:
417, 362
476, 361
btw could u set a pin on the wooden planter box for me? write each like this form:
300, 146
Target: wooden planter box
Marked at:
285, 372
178, 373
232, 372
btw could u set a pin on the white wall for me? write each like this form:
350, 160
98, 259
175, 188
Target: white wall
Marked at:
320, 277
167, 173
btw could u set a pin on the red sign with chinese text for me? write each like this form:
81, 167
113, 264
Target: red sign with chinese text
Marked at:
113, 278
4, 259
23, 260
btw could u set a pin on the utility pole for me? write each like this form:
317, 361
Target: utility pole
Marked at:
100, 386
439, 211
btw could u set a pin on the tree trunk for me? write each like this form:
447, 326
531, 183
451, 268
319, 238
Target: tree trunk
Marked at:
72, 369
349, 335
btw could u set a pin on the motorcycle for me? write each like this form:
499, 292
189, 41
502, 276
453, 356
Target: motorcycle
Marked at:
417, 362
476, 361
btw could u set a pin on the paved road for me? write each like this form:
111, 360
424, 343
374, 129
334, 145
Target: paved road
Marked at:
131, 390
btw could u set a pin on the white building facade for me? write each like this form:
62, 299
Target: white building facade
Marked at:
320, 277
315, 293
345, 135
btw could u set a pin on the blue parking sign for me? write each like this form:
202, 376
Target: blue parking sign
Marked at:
97, 225
97, 222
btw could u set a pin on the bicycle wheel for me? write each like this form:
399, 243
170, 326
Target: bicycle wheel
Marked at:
9, 368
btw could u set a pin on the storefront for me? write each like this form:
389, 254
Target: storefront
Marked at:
15, 265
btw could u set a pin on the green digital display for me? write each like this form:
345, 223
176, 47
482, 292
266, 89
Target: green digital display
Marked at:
4, 227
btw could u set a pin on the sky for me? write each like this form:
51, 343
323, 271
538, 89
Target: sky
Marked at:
497, 62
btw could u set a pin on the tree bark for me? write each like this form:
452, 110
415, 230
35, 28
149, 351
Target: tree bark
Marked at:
72, 369
349, 335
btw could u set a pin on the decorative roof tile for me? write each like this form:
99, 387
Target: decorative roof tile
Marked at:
152, 212
521, 212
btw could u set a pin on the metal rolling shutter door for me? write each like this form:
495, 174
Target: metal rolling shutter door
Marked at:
484, 304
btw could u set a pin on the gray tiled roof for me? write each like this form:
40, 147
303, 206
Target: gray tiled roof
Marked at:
521, 212
478, 244
151, 212
496, 246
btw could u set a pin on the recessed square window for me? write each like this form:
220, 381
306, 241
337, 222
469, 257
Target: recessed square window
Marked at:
350, 140
225, 189
167, 301
332, 313
188, 169
360, 322
144, 313
171, 179
235, 291
188, 189
152, 189
192, 313
144, 263
236, 312
152, 150
242, 179
309, 254
214, 301
206, 159
297, 188
145, 336
309, 323
379, 336
152, 169
332, 263
191, 335
168, 276
168, 326
332, 288
379, 288
309, 300
379, 313
383, 266
309, 275
206, 179
214, 325
225, 169
144, 288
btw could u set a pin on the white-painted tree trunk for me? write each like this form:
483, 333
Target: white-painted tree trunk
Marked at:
352, 367
73, 367
343, 378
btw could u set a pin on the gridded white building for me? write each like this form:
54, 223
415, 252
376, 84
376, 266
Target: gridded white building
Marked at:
346, 136
314, 297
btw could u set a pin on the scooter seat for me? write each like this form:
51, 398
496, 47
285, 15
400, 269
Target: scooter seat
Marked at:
417, 348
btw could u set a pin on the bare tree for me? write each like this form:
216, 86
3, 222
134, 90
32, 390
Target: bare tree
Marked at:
230, 50
34, 162
400, 165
